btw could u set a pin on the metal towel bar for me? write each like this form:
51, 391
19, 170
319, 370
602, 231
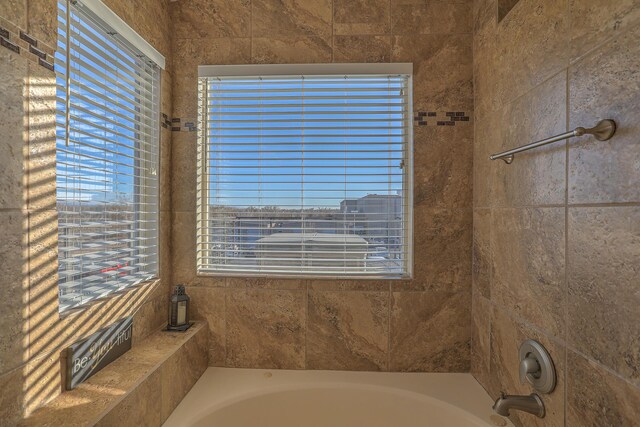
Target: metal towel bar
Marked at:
603, 131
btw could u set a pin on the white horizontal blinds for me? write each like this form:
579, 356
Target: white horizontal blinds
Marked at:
304, 175
107, 160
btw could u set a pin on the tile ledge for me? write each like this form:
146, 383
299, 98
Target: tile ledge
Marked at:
94, 399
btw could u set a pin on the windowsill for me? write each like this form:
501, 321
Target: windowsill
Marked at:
78, 309
302, 276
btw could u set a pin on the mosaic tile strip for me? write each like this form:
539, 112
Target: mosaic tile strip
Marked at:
27, 46
45, 64
37, 52
26, 37
11, 46
421, 118
183, 125
442, 118
165, 121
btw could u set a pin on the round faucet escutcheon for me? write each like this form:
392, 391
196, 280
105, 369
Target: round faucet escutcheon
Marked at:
536, 367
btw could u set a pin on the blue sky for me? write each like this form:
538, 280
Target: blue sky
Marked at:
261, 159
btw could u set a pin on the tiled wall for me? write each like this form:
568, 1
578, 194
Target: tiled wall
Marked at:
32, 334
419, 325
557, 232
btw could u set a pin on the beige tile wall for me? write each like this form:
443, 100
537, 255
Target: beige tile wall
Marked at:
557, 233
32, 334
422, 324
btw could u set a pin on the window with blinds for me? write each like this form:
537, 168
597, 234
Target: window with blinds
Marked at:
107, 159
305, 174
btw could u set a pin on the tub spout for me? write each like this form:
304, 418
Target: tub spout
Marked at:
531, 404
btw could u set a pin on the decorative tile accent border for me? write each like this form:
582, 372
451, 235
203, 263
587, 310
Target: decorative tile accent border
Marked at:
17, 41
166, 121
26, 37
11, 46
37, 52
421, 118
177, 124
45, 64
183, 125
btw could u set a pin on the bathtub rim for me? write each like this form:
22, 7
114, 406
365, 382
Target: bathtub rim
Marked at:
396, 391
219, 388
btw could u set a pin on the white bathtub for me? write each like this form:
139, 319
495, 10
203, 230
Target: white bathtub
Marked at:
225, 397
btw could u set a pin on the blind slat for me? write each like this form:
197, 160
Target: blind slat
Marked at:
352, 105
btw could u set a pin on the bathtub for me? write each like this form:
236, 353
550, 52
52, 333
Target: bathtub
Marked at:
225, 397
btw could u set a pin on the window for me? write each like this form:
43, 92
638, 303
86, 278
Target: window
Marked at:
107, 157
305, 170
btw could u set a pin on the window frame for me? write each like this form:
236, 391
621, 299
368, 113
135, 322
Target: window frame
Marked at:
251, 70
98, 15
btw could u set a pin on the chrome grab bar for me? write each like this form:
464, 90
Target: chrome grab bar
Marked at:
603, 131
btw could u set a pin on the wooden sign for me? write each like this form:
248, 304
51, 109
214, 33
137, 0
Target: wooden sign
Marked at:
93, 353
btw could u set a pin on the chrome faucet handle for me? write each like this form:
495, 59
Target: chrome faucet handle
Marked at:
536, 367
529, 366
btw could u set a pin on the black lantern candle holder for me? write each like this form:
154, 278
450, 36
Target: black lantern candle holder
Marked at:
179, 315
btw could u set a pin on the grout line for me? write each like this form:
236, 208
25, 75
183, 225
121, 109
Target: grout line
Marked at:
572, 63
612, 38
223, 361
516, 318
306, 324
566, 243
562, 205
226, 327
599, 365
519, 320
26, 238
411, 35
333, 35
491, 285
390, 34
603, 205
508, 102
522, 207
390, 305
